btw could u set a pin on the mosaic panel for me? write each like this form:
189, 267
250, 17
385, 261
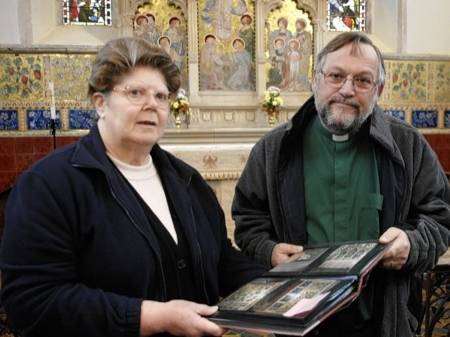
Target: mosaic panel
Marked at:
345, 15
289, 48
70, 75
21, 77
425, 118
447, 119
81, 119
409, 81
227, 45
39, 119
400, 114
9, 120
93, 12
442, 82
162, 24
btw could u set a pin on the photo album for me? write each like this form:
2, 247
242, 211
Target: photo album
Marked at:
295, 297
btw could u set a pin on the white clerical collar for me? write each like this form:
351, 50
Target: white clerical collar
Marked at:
340, 138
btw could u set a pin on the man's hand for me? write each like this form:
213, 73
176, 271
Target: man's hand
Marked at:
397, 254
283, 251
178, 318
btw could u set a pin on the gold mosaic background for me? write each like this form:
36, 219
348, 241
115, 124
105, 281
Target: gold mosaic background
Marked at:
24, 78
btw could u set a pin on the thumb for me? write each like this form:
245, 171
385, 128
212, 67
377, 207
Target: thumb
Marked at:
292, 249
390, 235
206, 310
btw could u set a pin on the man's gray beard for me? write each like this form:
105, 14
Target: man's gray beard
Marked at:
349, 126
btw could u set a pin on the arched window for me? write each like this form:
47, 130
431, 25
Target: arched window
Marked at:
346, 15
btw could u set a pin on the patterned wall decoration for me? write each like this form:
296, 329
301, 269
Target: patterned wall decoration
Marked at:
425, 118
21, 77
227, 44
70, 75
409, 81
9, 120
289, 48
39, 119
81, 119
441, 81
400, 114
163, 24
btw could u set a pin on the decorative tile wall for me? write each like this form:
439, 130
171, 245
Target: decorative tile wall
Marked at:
81, 119
39, 119
425, 118
9, 120
400, 114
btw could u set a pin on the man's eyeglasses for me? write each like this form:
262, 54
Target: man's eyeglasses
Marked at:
361, 83
138, 95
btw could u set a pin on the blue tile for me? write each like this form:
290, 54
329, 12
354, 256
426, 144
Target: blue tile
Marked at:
447, 119
9, 120
400, 114
81, 119
425, 118
39, 119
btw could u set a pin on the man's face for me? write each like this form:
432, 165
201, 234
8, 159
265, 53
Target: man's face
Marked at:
343, 110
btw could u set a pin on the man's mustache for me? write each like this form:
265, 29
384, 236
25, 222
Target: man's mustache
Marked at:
342, 100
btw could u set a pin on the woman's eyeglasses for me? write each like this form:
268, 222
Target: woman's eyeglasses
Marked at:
139, 95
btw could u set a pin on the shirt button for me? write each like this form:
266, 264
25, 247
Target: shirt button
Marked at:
181, 264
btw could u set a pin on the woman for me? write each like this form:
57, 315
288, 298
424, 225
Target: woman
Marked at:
113, 236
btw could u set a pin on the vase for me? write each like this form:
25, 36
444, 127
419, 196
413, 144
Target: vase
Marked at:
178, 121
272, 115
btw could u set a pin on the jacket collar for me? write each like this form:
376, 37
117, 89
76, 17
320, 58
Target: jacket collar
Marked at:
379, 129
90, 153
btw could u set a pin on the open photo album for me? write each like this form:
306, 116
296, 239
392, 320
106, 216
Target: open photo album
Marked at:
295, 297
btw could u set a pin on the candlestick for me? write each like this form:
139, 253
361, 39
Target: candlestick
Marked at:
52, 106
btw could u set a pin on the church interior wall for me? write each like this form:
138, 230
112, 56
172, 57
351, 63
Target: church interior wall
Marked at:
223, 125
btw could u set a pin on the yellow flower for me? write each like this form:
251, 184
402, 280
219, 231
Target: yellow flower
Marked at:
175, 105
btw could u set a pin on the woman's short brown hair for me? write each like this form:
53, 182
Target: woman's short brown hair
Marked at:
121, 56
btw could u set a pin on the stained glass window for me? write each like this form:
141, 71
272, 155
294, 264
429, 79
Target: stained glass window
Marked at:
346, 15
89, 12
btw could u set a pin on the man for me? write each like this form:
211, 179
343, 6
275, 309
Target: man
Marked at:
343, 170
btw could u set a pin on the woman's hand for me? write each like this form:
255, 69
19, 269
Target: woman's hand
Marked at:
179, 318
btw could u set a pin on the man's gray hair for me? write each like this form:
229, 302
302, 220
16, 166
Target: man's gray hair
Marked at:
354, 38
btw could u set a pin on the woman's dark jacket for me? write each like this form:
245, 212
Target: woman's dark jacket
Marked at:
78, 255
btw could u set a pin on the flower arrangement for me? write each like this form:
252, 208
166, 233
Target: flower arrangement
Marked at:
272, 104
180, 107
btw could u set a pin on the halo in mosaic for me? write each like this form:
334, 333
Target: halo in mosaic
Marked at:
409, 81
425, 118
39, 119
9, 120
442, 82
81, 119
344, 15
400, 114
70, 75
447, 119
21, 77
94, 12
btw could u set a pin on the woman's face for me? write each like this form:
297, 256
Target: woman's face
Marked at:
135, 122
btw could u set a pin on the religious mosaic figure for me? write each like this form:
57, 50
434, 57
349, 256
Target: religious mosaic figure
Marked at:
218, 14
305, 39
280, 32
145, 27
241, 67
247, 33
277, 62
177, 36
211, 65
292, 66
